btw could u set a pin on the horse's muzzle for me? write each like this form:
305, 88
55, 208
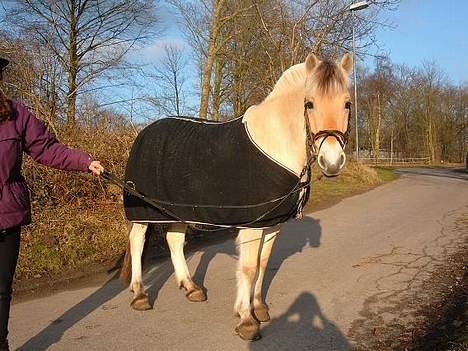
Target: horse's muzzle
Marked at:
331, 168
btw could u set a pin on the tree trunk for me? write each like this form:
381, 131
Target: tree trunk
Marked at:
391, 147
72, 68
430, 135
377, 127
176, 92
218, 79
210, 57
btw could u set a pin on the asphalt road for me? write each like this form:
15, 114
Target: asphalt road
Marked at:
329, 276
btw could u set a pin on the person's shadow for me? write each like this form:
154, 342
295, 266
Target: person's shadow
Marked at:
302, 327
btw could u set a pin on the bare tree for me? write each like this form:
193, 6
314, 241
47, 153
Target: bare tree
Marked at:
273, 35
87, 38
170, 79
377, 90
414, 112
207, 23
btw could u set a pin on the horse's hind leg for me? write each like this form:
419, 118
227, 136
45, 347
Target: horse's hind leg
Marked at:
140, 300
260, 308
176, 240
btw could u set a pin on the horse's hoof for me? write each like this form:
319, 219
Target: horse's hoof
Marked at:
249, 330
141, 303
195, 295
261, 313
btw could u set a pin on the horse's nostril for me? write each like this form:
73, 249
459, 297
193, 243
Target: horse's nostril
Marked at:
342, 160
321, 161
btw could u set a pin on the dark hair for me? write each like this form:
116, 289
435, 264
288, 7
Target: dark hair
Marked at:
5, 108
329, 77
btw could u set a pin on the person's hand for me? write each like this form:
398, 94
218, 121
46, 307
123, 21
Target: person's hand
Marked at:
96, 167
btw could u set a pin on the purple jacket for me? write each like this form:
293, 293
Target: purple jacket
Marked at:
25, 133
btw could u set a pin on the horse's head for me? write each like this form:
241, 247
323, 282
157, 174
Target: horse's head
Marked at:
327, 107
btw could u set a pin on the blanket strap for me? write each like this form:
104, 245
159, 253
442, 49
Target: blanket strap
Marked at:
129, 188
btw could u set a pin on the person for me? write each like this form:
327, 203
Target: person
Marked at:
21, 131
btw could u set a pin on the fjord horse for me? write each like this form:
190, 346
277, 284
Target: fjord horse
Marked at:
310, 98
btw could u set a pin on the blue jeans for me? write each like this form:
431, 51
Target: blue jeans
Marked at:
9, 249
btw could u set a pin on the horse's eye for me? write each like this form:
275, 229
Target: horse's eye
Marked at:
309, 105
347, 105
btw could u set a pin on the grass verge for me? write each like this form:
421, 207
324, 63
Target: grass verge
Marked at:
355, 179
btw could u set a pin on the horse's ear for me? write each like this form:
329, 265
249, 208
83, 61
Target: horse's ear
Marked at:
311, 62
347, 63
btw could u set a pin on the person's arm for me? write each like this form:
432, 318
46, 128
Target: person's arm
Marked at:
45, 148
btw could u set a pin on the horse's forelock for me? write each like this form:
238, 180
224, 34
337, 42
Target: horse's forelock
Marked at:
328, 78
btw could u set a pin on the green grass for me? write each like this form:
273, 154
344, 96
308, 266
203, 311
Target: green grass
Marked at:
385, 174
69, 238
355, 179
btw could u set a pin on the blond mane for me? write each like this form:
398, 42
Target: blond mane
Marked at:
327, 78
292, 78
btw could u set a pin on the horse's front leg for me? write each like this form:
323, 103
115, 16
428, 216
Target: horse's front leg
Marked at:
176, 240
140, 300
248, 242
260, 308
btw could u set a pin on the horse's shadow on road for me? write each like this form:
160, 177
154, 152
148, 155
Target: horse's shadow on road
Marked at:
295, 236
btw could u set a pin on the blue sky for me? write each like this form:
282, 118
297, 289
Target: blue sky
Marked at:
432, 30
421, 30
429, 30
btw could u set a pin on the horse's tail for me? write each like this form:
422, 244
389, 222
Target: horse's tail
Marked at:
125, 272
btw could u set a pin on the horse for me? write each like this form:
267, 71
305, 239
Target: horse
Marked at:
305, 117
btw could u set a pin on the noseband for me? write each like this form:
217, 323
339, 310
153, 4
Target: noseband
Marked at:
311, 137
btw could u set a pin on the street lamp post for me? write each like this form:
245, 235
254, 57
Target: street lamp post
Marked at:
356, 7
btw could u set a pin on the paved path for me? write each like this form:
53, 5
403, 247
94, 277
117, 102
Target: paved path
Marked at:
328, 274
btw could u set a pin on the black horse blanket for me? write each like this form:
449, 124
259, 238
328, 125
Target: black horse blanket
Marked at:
207, 173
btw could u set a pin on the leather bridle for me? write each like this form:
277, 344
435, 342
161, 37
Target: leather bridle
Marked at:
311, 137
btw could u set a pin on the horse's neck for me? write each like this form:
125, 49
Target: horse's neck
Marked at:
277, 127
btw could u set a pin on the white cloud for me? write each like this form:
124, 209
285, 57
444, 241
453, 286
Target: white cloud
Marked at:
155, 50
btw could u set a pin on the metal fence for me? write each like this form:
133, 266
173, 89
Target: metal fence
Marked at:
396, 161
